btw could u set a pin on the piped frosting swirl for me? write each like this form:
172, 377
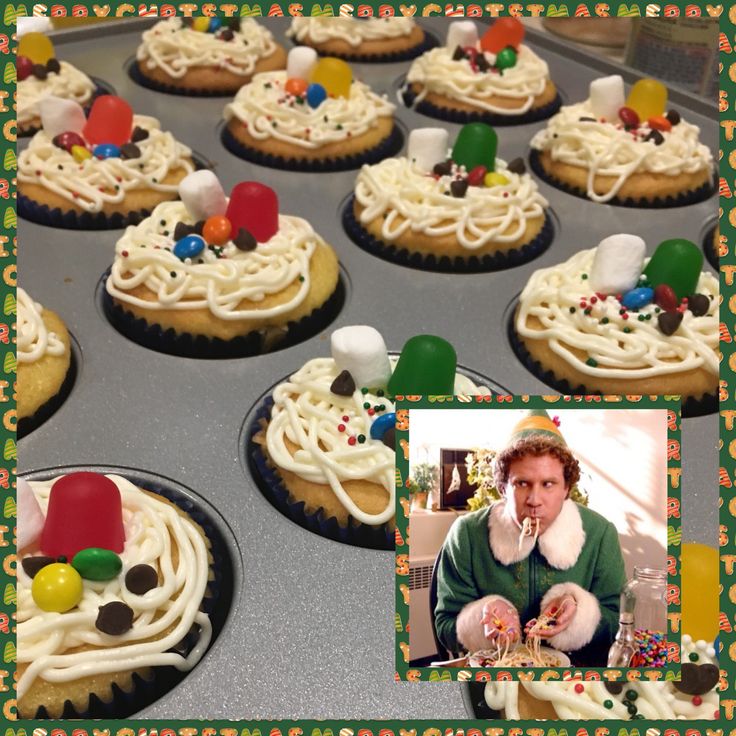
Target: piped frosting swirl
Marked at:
351, 30
33, 339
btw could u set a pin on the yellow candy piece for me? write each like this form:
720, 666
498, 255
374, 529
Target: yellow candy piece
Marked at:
201, 24
648, 98
37, 47
57, 587
492, 179
334, 75
80, 153
699, 585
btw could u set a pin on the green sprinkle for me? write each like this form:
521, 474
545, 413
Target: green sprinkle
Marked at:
301, 278
364, 391
632, 709
641, 318
647, 317
608, 704
382, 407
604, 321
694, 657
627, 330
584, 277
657, 310
587, 310
366, 405
632, 695
361, 438
379, 393
338, 126
592, 362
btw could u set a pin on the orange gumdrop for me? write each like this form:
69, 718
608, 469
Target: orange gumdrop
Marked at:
216, 230
296, 87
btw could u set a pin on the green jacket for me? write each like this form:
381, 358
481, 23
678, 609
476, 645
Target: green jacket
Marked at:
579, 554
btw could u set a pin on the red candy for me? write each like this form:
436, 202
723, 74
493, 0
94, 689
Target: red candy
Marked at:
67, 140
296, 87
659, 122
477, 175
23, 67
629, 117
255, 208
84, 511
504, 32
665, 297
109, 121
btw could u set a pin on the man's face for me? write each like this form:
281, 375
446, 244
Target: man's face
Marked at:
536, 485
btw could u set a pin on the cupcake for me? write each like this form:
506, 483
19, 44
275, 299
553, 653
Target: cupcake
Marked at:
629, 151
111, 585
215, 277
361, 39
205, 56
312, 117
101, 171
611, 321
45, 371
495, 79
322, 444
715, 246
463, 213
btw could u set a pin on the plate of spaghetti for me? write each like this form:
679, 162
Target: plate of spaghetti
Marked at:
528, 654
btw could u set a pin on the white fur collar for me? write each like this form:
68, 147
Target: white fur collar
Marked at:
561, 544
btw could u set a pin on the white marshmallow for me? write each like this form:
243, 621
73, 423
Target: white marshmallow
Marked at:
59, 116
360, 349
300, 62
618, 263
30, 519
607, 96
202, 194
427, 147
461, 33
32, 24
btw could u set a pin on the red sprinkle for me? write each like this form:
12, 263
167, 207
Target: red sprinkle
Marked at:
124, 253
341, 427
371, 412
593, 299
352, 440
579, 688
624, 316
346, 418
697, 700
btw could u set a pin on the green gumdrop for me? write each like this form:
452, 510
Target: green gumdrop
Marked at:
677, 263
426, 366
476, 145
506, 58
95, 563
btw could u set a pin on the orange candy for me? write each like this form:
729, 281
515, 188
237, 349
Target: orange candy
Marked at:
216, 230
659, 122
296, 87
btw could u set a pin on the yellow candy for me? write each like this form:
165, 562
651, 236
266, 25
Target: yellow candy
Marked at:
492, 179
334, 75
37, 47
699, 585
80, 153
648, 98
57, 587
201, 24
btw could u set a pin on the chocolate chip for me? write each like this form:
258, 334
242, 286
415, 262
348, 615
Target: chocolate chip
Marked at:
656, 137
586, 119
389, 438
226, 35
244, 240
615, 688
199, 227
130, 150
444, 168
482, 63
182, 230
697, 679
668, 322
31, 565
140, 579
139, 134
114, 618
53, 66
673, 116
517, 166
459, 187
458, 53
39, 71
343, 385
698, 304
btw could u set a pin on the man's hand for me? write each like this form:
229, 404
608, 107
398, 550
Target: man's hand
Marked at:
500, 623
562, 611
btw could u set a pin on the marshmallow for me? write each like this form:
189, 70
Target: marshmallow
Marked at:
461, 33
30, 517
61, 116
618, 264
202, 194
361, 351
300, 62
607, 96
427, 147
32, 24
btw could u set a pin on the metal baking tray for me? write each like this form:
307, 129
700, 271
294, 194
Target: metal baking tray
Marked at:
310, 631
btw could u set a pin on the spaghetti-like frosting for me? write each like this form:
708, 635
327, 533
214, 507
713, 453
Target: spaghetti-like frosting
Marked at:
215, 280
95, 182
351, 30
656, 700
309, 414
269, 112
615, 347
68, 83
153, 530
607, 149
440, 74
33, 339
173, 47
412, 200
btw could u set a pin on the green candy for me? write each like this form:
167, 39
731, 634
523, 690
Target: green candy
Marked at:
476, 145
95, 563
426, 366
677, 263
506, 58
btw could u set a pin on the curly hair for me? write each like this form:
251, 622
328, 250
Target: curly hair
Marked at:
536, 446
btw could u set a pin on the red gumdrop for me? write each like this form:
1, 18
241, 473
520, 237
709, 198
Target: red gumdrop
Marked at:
665, 297
255, 208
84, 511
476, 175
629, 117
109, 121
23, 67
504, 32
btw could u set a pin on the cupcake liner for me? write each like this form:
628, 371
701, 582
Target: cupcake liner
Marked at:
272, 487
139, 78
686, 198
711, 253
691, 407
472, 264
186, 345
429, 42
390, 146
462, 116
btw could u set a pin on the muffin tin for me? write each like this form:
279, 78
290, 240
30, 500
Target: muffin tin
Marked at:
310, 629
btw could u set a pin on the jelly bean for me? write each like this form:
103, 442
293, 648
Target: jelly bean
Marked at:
190, 246
30, 518
110, 120
106, 150
475, 145
659, 122
665, 297
476, 176
300, 62
214, 25
504, 32
23, 67
629, 117
648, 98
68, 140
37, 47
80, 154
202, 194
316, 95
677, 262
95, 563
493, 179
461, 33
217, 229
427, 147
506, 59
334, 75
638, 298
426, 366
254, 207
57, 587
617, 264
699, 584
607, 97
296, 87
382, 425
201, 24
59, 116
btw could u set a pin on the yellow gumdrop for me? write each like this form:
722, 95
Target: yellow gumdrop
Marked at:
57, 587
648, 98
37, 47
80, 153
493, 179
699, 585
201, 24
334, 75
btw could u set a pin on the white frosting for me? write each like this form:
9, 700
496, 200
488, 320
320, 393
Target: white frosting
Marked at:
33, 339
69, 83
412, 200
209, 282
152, 528
606, 149
438, 73
351, 30
642, 353
171, 46
308, 414
269, 112
97, 182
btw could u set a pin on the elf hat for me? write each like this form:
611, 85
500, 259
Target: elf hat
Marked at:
537, 423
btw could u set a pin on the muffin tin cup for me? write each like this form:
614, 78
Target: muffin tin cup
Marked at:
710, 249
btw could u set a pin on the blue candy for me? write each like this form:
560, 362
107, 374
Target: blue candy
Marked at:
381, 425
638, 298
316, 95
215, 25
190, 246
106, 150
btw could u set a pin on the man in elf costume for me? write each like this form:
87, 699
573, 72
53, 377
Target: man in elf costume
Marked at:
533, 553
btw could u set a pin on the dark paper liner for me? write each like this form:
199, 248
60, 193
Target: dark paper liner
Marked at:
388, 147
216, 605
429, 42
691, 407
272, 487
139, 78
463, 116
473, 264
692, 197
186, 345
711, 252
